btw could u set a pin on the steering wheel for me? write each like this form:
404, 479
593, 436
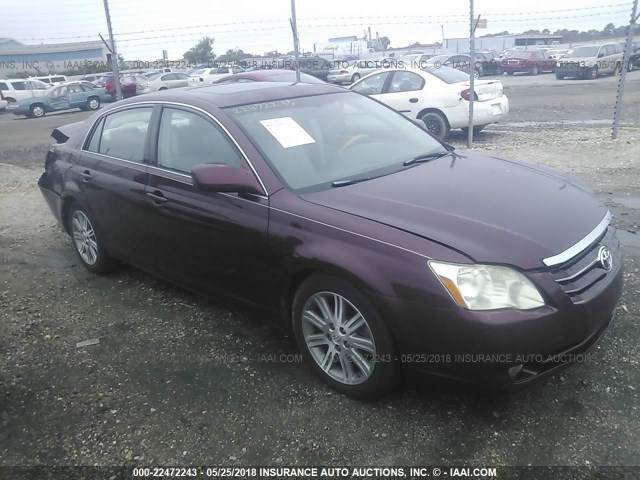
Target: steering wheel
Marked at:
352, 141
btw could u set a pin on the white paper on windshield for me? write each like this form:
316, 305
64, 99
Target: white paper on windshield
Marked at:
287, 132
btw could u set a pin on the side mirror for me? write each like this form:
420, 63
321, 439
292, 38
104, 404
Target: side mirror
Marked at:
224, 178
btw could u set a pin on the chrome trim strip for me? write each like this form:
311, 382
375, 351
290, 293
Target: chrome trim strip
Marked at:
579, 247
353, 233
156, 102
581, 272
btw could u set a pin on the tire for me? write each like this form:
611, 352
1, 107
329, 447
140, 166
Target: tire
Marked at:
559, 76
436, 124
498, 70
593, 73
355, 77
93, 103
510, 73
534, 70
37, 111
617, 70
476, 74
364, 371
86, 241
480, 71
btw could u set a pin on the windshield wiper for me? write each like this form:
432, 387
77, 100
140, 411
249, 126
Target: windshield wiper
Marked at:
424, 158
349, 181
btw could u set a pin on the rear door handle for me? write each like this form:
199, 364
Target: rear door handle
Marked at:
413, 100
157, 197
86, 175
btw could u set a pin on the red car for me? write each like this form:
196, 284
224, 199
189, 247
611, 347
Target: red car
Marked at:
130, 84
527, 61
267, 76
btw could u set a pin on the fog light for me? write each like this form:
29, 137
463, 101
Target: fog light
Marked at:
515, 371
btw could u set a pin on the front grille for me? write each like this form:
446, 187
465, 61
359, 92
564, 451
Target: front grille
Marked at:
583, 277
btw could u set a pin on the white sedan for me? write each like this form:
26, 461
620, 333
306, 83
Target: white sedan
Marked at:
352, 71
439, 97
163, 81
205, 76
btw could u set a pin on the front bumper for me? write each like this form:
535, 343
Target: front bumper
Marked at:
506, 349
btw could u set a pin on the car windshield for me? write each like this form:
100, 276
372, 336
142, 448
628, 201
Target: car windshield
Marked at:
199, 71
447, 74
314, 141
518, 53
583, 52
438, 58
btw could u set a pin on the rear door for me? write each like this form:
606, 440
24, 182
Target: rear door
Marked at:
77, 97
211, 242
404, 92
112, 176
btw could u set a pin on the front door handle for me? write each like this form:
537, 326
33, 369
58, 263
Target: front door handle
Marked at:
157, 197
413, 100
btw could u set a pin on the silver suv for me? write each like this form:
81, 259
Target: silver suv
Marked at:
589, 61
17, 89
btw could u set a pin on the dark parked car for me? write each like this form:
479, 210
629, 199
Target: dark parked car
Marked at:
315, 66
458, 61
527, 61
274, 75
131, 84
380, 247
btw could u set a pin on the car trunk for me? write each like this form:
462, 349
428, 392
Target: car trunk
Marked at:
485, 89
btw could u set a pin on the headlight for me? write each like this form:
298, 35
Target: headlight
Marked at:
487, 287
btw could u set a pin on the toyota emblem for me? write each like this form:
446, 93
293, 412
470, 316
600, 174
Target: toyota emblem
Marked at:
604, 258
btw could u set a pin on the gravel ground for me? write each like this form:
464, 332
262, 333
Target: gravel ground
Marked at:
177, 379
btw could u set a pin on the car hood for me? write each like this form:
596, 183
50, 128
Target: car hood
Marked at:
492, 210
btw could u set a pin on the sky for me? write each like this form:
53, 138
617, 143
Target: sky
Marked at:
144, 28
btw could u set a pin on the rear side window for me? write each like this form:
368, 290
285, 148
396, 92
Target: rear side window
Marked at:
405, 82
19, 85
122, 134
187, 139
4, 86
448, 75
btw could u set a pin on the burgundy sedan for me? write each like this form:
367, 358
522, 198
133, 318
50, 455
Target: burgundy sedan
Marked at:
527, 61
267, 76
381, 248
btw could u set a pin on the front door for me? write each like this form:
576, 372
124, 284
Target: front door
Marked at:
211, 242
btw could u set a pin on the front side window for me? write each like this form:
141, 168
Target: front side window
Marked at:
4, 86
187, 139
122, 134
19, 85
372, 85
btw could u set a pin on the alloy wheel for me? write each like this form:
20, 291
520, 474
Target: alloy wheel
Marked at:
338, 338
84, 237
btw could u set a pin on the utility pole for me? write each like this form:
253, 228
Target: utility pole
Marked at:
472, 55
623, 73
114, 53
442, 28
296, 42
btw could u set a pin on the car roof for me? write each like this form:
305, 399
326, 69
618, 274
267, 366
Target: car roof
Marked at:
231, 94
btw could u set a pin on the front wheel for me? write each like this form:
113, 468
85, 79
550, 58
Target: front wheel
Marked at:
436, 124
559, 76
87, 242
343, 337
355, 77
593, 73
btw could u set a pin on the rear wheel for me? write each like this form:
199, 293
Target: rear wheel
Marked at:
93, 103
355, 77
343, 337
559, 76
86, 241
534, 70
37, 110
436, 124
593, 73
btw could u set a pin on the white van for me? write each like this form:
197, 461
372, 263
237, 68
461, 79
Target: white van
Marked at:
52, 80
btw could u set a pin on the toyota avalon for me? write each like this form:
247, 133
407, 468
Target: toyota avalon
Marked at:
381, 248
